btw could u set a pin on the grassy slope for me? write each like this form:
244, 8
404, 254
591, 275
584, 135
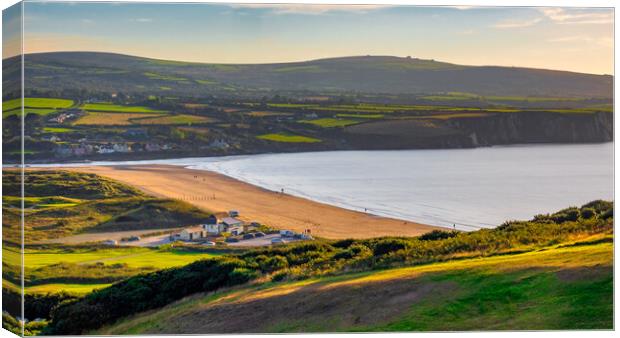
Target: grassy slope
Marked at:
561, 287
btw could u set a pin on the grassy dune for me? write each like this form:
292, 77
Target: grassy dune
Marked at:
561, 287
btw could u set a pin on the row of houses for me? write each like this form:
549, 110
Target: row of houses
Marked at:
82, 149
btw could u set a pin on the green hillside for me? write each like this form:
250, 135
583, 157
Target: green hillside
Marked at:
63, 203
557, 288
552, 272
114, 72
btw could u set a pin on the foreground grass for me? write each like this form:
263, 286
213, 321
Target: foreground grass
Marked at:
132, 256
561, 287
72, 263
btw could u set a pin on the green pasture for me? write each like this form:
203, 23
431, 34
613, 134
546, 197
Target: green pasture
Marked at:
330, 122
109, 107
279, 137
37, 102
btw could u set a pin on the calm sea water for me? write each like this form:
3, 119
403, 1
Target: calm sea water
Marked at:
469, 188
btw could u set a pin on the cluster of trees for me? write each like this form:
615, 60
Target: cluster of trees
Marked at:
319, 258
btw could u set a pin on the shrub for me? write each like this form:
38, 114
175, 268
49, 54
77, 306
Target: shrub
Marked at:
388, 245
437, 235
587, 213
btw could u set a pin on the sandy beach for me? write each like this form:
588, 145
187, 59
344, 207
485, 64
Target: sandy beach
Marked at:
218, 193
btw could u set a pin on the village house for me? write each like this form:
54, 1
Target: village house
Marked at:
231, 222
215, 229
192, 234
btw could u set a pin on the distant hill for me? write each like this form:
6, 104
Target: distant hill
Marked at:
368, 74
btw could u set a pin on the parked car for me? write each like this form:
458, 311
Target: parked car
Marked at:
259, 234
248, 236
209, 243
130, 239
232, 240
277, 241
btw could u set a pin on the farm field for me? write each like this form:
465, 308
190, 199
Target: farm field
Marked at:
267, 113
330, 122
174, 119
108, 107
110, 119
31, 102
288, 138
57, 130
38, 106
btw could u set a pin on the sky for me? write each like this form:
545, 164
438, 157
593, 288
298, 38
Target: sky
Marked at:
575, 39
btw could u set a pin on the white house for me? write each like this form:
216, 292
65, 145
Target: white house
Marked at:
214, 229
231, 222
192, 234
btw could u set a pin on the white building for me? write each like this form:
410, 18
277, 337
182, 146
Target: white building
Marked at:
192, 234
231, 222
214, 229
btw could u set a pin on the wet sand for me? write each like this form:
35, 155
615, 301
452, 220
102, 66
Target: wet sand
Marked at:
219, 193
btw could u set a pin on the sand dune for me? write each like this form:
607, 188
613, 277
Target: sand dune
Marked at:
219, 193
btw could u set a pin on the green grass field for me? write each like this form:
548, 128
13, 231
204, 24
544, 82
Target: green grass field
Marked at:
288, 138
111, 119
38, 102
108, 107
57, 130
174, 119
130, 257
362, 116
331, 122
558, 288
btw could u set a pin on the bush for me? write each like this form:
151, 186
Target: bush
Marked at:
388, 245
588, 213
437, 235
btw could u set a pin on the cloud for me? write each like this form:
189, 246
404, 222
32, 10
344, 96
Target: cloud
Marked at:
466, 32
578, 16
311, 8
602, 41
517, 23
142, 20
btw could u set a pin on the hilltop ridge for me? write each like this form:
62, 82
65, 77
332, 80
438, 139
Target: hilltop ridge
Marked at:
366, 74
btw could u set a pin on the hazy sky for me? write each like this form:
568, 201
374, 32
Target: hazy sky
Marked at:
557, 38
